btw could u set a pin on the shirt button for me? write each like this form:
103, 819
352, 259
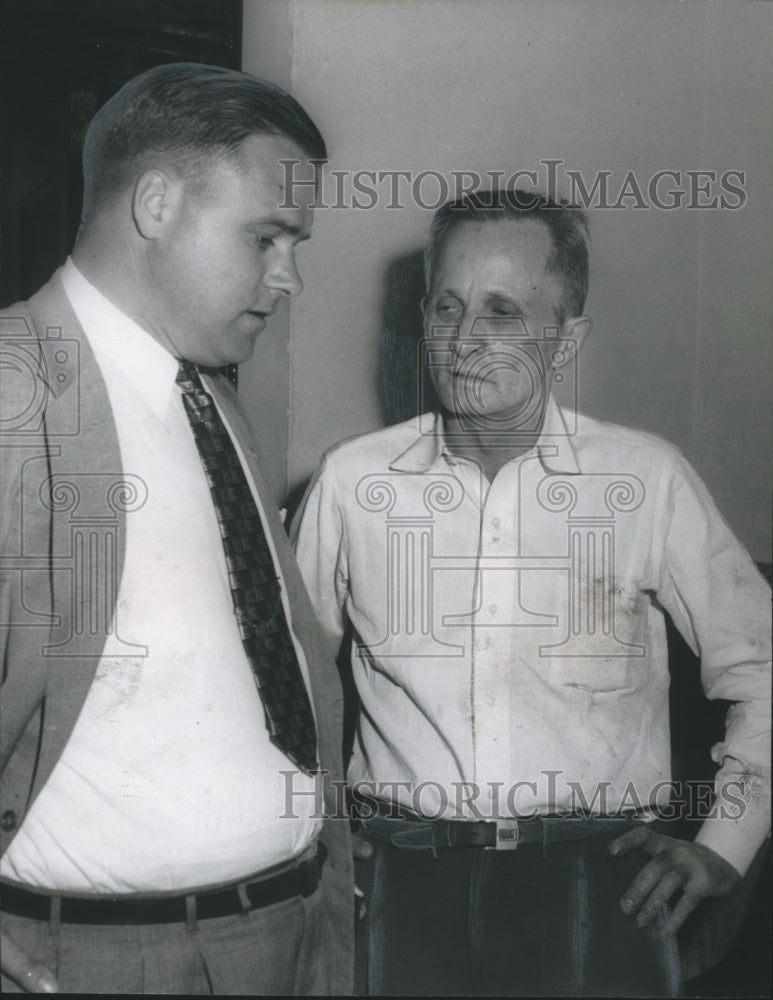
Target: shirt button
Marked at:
8, 821
495, 522
492, 609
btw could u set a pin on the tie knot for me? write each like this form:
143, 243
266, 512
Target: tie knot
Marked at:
188, 377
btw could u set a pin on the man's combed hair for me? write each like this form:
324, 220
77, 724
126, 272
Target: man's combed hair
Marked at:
567, 225
185, 111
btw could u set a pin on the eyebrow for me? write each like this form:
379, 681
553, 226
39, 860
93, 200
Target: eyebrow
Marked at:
287, 227
491, 294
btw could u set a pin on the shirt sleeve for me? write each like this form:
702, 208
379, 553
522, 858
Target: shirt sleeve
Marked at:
721, 605
319, 538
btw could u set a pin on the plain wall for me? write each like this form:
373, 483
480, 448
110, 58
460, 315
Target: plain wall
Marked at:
682, 300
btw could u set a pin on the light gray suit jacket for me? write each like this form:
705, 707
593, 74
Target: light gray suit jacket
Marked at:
63, 505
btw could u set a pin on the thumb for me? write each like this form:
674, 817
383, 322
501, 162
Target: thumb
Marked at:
625, 843
40, 980
31, 976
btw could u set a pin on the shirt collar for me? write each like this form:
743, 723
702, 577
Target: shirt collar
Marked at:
554, 444
119, 344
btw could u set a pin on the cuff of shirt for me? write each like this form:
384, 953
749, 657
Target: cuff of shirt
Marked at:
739, 821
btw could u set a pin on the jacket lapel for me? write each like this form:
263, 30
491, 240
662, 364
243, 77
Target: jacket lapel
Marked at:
84, 488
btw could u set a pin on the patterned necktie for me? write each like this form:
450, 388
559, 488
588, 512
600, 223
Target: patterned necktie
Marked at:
254, 585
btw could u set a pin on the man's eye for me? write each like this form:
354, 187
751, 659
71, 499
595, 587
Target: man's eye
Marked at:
264, 242
447, 308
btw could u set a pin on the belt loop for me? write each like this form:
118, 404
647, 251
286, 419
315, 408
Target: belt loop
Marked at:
309, 872
244, 899
435, 833
191, 924
55, 924
56, 914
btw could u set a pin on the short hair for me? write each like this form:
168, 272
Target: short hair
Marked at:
186, 111
566, 224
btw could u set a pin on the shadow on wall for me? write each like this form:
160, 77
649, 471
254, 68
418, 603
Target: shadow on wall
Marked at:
405, 388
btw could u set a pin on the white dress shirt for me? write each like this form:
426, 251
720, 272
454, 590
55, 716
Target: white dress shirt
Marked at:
169, 780
510, 649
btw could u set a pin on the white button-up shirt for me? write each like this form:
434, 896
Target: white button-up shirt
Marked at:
509, 642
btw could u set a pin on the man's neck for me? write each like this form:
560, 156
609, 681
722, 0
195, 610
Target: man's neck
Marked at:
490, 446
121, 276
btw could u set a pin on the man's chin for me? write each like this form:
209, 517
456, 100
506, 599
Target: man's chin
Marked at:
239, 350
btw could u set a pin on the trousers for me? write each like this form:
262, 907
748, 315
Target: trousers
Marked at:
542, 921
278, 950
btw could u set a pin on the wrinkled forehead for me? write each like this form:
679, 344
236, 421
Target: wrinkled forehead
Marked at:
501, 251
527, 239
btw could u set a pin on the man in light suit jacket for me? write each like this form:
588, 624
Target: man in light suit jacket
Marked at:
147, 841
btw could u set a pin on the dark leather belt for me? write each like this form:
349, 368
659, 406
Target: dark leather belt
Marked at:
240, 898
408, 830
509, 834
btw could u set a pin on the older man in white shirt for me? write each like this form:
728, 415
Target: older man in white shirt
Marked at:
504, 564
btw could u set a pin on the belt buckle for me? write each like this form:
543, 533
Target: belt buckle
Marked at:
507, 834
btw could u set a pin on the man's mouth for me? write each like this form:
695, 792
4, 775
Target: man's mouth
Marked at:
260, 314
467, 376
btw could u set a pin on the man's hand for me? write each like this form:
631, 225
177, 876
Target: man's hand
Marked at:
698, 871
362, 850
19, 967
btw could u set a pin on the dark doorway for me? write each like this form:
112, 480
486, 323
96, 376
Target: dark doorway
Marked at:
58, 63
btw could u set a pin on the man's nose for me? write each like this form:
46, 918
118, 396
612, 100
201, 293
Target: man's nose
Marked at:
463, 342
283, 275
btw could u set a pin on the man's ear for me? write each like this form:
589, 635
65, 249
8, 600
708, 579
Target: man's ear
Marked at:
156, 196
573, 333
